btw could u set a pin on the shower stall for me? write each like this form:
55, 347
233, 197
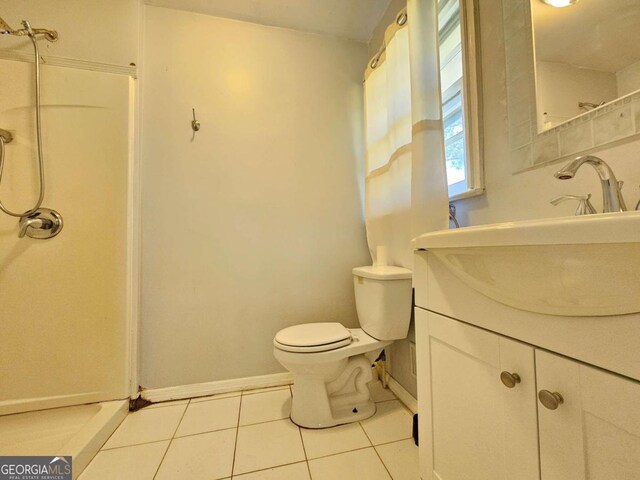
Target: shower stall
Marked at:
68, 315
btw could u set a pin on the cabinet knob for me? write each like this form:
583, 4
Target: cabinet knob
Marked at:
550, 400
510, 380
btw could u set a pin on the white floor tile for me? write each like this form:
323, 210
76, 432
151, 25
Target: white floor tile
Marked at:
202, 417
216, 397
170, 403
379, 393
392, 422
206, 456
267, 445
265, 407
139, 462
263, 390
401, 459
146, 426
360, 464
297, 471
327, 441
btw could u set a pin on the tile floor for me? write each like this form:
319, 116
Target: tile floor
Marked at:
248, 435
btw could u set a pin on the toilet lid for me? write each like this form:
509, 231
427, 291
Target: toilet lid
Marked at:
314, 337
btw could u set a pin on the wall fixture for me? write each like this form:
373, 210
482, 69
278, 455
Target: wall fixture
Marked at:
560, 3
44, 223
195, 124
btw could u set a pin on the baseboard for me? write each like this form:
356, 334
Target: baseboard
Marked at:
212, 388
403, 395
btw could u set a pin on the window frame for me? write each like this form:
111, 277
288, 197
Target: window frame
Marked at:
471, 92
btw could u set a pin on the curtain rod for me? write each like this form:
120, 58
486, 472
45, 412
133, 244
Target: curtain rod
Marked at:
399, 22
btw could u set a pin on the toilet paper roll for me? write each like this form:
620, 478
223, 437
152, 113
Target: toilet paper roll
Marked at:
381, 255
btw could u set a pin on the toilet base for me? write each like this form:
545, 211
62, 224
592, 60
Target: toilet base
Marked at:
343, 416
331, 387
318, 403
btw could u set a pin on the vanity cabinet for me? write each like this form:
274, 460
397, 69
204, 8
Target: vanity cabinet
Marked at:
496, 408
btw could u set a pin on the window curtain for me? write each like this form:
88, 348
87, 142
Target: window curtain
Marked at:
429, 191
405, 186
388, 143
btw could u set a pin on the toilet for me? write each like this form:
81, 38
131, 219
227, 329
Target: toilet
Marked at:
331, 364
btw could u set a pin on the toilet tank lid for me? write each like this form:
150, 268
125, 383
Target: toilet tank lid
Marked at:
383, 272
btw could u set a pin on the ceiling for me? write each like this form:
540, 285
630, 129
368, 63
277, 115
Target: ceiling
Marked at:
597, 34
352, 19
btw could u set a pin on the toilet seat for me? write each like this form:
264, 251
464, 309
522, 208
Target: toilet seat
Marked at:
312, 337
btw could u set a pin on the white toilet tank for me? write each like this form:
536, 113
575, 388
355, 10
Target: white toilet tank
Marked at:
383, 300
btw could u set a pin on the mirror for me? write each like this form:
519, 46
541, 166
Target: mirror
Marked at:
586, 55
608, 31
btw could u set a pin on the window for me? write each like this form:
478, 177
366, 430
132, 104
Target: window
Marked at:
459, 91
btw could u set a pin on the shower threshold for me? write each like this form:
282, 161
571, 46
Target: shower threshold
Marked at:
78, 431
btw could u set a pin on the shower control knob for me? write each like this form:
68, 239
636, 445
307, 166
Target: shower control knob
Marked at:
550, 400
43, 224
510, 380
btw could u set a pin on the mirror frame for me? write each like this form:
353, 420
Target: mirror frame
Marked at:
614, 122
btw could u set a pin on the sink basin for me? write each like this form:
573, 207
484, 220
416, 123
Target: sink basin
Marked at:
570, 266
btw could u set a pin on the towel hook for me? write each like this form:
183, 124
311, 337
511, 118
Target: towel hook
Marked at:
195, 124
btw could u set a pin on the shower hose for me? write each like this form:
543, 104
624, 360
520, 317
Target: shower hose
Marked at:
39, 139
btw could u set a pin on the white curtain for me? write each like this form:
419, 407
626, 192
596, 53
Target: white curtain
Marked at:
429, 191
388, 142
406, 187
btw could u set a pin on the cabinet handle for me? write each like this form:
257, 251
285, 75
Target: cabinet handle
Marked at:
550, 400
510, 380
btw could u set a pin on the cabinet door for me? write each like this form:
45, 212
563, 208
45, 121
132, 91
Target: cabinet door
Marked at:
594, 433
473, 427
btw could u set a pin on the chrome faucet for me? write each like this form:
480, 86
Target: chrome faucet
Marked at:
28, 222
612, 199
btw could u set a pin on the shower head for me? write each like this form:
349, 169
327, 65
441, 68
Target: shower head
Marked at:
50, 35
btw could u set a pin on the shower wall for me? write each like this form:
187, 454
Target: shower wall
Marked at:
63, 314
255, 222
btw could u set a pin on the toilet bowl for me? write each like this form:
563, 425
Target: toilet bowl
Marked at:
331, 364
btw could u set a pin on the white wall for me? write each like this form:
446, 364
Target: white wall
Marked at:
526, 195
92, 30
628, 79
561, 87
255, 223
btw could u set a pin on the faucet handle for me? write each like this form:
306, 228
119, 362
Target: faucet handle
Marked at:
42, 224
584, 205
